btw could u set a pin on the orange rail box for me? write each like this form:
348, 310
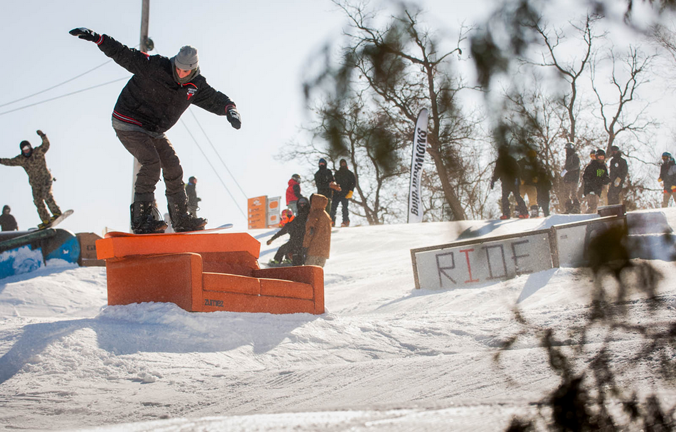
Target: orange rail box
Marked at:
205, 272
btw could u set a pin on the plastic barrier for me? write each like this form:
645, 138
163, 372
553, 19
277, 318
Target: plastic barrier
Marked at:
205, 272
27, 251
483, 261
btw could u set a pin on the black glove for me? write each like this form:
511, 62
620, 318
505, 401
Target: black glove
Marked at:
233, 116
492, 184
84, 33
199, 199
40, 133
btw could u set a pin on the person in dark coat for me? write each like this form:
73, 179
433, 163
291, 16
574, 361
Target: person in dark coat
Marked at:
192, 195
618, 172
347, 181
296, 230
325, 183
543, 187
668, 178
293, 193
40, 178
153, 100
507, 171
570, 180
7, 221
595, 177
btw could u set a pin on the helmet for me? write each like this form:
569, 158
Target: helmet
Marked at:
666, 154
296, 177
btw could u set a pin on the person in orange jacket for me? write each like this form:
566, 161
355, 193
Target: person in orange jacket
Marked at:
317, 239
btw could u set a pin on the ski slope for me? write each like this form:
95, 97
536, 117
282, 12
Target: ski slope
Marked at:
383, 357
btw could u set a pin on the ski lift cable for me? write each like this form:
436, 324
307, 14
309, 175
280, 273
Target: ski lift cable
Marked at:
213, 169
218, 155
55, 86
62, 96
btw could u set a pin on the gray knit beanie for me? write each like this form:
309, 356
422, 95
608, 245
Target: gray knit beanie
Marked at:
187, 58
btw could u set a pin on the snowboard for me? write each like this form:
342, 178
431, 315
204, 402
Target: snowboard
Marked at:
270, 264
59, 220
125, 234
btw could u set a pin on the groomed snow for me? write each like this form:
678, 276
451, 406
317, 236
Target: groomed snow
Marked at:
384, 356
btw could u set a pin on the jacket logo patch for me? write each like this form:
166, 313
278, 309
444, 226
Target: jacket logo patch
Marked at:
191, 92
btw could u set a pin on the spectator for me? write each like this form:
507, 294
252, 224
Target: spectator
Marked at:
543, 187
618, 172
582, 187
293, 193
595, 177
528, 171
668, 178
325, 183
346, 180
7, 221
317, 240
507, 171
192, 195
570, 180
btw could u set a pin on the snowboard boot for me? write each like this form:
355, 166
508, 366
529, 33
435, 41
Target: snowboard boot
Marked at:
504, 217
534, 211
568, 206
345, 224
576, 207
181, 219
44, 224
143, 221
55, 216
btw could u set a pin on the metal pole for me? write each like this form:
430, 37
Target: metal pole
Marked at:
145, 14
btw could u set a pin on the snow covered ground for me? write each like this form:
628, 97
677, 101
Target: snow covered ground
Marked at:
384, 357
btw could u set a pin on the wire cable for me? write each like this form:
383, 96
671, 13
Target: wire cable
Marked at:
218, 155
62, 96
55, 86
213, 169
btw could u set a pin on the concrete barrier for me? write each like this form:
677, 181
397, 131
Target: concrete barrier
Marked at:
479, 262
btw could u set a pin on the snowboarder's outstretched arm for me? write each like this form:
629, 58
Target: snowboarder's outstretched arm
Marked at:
15, 161
130, 59
45, 146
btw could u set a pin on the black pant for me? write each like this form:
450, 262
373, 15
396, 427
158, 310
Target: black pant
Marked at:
154, 154
344, 207
512, 188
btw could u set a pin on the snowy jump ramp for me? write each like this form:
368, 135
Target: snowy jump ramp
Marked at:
205, 272
485, 260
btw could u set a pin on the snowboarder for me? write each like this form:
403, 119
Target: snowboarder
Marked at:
570, 180
668, 178
507, 170
595, 177
528, 170
293, 193
40, 178
325, 183
317, 240
153, 100
296, 230
346, 180
618, 172
7, 221
192, 195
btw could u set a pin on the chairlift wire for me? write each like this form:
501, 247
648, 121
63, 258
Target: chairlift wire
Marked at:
213, 169
218, 155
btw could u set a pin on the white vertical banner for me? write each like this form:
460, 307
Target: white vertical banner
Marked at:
415, 210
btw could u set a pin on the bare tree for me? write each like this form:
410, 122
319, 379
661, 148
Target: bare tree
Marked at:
401, 68
614, 113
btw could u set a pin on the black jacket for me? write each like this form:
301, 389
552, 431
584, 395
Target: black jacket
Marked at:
595, 176
152, 98
618, 168
322, 178
8, 222
573, 167
668, 174
506, 169
346, 180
